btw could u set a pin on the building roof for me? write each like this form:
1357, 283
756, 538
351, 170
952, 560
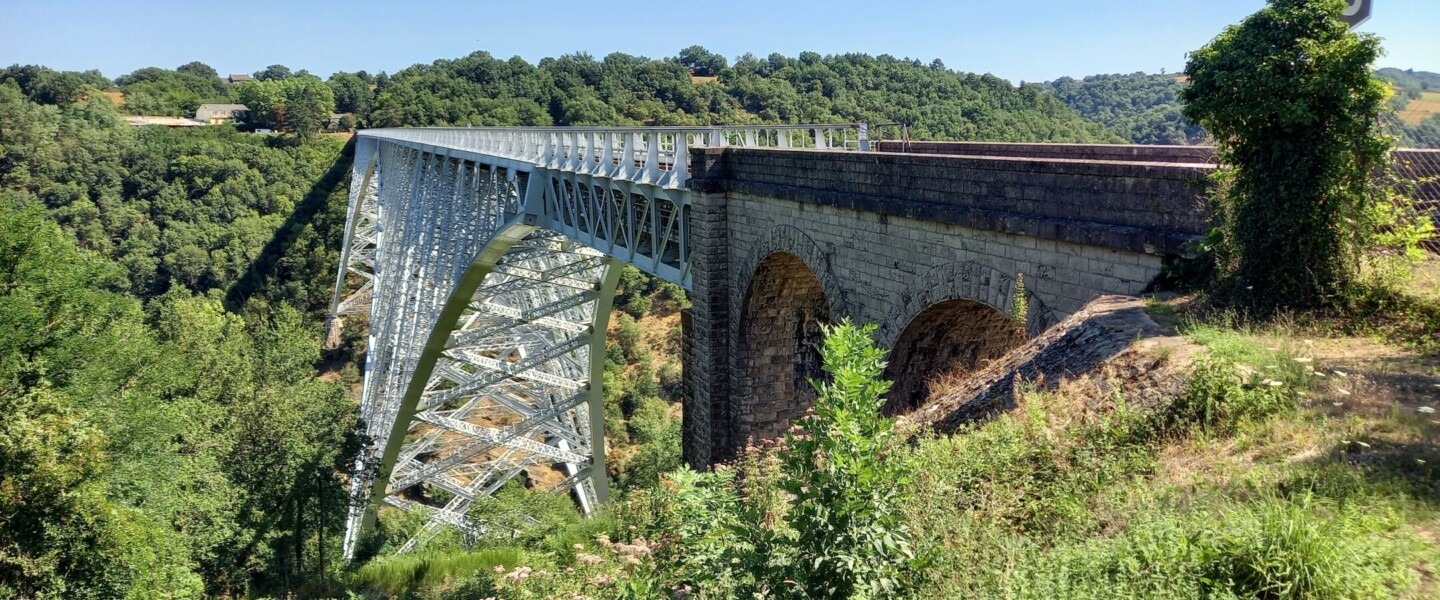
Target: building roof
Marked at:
209, 111
238, 77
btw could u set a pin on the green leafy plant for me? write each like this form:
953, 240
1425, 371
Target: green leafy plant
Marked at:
1020, 305
841, 466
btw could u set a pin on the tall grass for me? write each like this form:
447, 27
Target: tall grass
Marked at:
397, 574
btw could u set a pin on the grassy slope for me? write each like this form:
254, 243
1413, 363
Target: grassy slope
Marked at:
1332, 494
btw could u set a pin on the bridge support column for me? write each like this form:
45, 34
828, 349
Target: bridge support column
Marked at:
706, 326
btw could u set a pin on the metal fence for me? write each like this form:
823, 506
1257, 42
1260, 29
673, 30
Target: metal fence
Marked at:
638, 154
1419, 174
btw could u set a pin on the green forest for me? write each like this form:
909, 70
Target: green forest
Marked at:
1140, 108
166, 427
170, 426
176, 425
626, 90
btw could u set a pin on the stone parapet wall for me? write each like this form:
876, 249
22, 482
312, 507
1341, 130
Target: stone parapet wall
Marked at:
1105, 152
1140, 207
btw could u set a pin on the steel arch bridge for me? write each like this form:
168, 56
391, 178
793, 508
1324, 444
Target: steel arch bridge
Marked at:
486, 260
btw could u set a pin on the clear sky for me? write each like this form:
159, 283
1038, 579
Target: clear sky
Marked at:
1031, 40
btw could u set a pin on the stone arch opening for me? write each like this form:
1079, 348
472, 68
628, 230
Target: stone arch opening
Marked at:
948, 337
780, 331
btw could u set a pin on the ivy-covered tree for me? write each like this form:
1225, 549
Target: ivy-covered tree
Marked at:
1289, 96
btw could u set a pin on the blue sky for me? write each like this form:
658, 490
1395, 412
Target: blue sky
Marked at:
1030, 40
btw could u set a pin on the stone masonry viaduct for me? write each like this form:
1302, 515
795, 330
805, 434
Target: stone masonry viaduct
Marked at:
486, 262
928, 244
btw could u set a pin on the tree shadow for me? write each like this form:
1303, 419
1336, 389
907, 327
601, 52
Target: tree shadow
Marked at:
1105, 328
1365, 467
262, 270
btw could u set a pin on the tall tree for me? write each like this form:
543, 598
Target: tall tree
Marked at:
703, 62
308, 105
205, 72
352, 93
1289, 96
274, 72
198, 69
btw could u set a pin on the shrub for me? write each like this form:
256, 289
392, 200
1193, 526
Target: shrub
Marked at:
673, 293
638, 305
1219, 397
845, 473
630, 338
671, 380
659, 438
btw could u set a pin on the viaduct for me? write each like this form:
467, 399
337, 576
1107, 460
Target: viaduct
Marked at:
486, 260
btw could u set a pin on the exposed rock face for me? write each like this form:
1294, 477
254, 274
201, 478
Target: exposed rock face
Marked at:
1110, 342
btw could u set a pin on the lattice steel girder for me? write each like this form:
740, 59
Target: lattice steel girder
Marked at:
498, 437
539, 298
426, 247
477, 446
496, 371
477, 253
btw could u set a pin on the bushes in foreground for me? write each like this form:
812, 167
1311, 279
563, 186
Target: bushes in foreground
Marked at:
1058, 499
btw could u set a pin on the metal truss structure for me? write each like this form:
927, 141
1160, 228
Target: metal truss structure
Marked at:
486, 260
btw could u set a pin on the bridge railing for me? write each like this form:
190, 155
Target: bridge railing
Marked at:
639, 154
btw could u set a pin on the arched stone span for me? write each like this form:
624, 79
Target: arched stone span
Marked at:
778, 341
731, 424
790, 240
953, 316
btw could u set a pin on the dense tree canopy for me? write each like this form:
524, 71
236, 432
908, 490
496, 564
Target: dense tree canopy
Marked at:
157, 91
48, 86
300, 104
628, 90
169, 449
274, 72
165, 429
1141, 108
352, 93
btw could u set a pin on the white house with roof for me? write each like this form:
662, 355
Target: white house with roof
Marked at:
215, 114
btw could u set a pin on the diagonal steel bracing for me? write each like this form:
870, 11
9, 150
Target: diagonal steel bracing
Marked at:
486, 261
